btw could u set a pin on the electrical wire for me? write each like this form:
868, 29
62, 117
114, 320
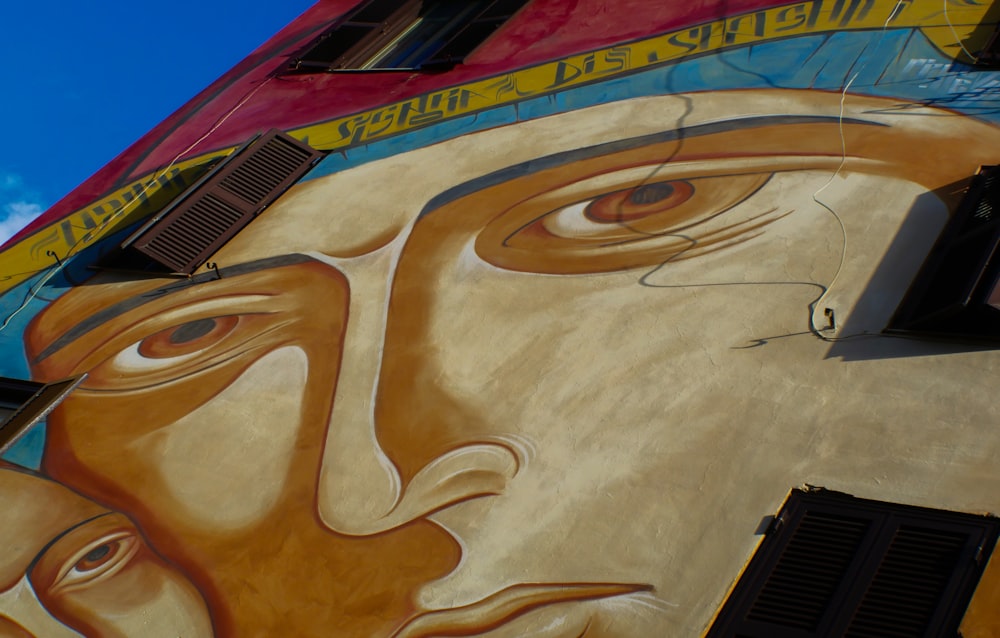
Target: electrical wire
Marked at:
840, 222
33, 290
843, 162
954, 33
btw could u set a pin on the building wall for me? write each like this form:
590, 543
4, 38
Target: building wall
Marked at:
532, 351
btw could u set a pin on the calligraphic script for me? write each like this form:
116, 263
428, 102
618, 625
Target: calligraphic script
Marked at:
85, 227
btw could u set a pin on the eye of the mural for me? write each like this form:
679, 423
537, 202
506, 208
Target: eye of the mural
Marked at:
639, 202
95, 561
158, 354
620, 219
96, 557
187, 337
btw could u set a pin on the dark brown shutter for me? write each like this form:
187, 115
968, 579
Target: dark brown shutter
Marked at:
36, 400
810, 569
957, 291
213, 211
912, 577
836, 566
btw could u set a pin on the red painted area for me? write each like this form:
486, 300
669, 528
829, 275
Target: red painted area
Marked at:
544, 30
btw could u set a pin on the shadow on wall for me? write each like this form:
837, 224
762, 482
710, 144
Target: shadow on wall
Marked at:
981, 36
860, 336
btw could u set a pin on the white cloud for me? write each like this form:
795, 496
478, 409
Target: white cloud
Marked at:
15, 215
18, 205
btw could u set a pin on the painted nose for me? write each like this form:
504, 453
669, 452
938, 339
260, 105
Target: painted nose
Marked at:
360, 489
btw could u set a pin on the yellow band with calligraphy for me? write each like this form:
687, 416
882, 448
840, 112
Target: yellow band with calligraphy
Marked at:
83, 228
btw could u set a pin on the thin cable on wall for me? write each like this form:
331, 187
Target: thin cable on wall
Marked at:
843, 162
816, 304
34, 289
954, 33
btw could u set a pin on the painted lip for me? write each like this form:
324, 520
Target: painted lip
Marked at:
504, 606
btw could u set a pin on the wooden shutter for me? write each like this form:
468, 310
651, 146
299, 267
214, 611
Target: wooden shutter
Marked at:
36, 400
210, 213
806, 575
957, 291
836, 566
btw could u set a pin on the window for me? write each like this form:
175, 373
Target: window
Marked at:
208, 214
833, 565
989, 56
956, 294
24, 403
393, 35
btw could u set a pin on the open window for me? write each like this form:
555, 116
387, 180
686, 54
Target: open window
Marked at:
833, 565
25, 403
185, 234
956, 294
410, 35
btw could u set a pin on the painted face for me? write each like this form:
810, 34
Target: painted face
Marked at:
72, 568
499, 362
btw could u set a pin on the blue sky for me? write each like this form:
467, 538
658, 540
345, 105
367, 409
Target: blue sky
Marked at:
81, 81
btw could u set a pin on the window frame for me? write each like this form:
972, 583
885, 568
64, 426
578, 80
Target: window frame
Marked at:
956, 293
856, 588
359, 56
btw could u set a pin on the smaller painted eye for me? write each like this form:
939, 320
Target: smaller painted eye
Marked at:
97, 557
96, 561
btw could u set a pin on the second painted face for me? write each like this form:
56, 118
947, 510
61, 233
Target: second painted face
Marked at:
73, 568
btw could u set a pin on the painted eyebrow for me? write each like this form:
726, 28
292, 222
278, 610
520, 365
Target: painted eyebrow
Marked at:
607, 148
106, 314
457, 192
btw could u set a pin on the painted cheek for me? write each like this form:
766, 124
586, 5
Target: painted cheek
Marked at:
244, 436
10, 629
146, 598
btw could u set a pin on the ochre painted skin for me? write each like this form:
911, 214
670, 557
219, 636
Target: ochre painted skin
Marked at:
74, 568
438, 422
248, 320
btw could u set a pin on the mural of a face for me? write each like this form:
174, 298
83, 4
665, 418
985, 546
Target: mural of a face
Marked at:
422, 401
72, 568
